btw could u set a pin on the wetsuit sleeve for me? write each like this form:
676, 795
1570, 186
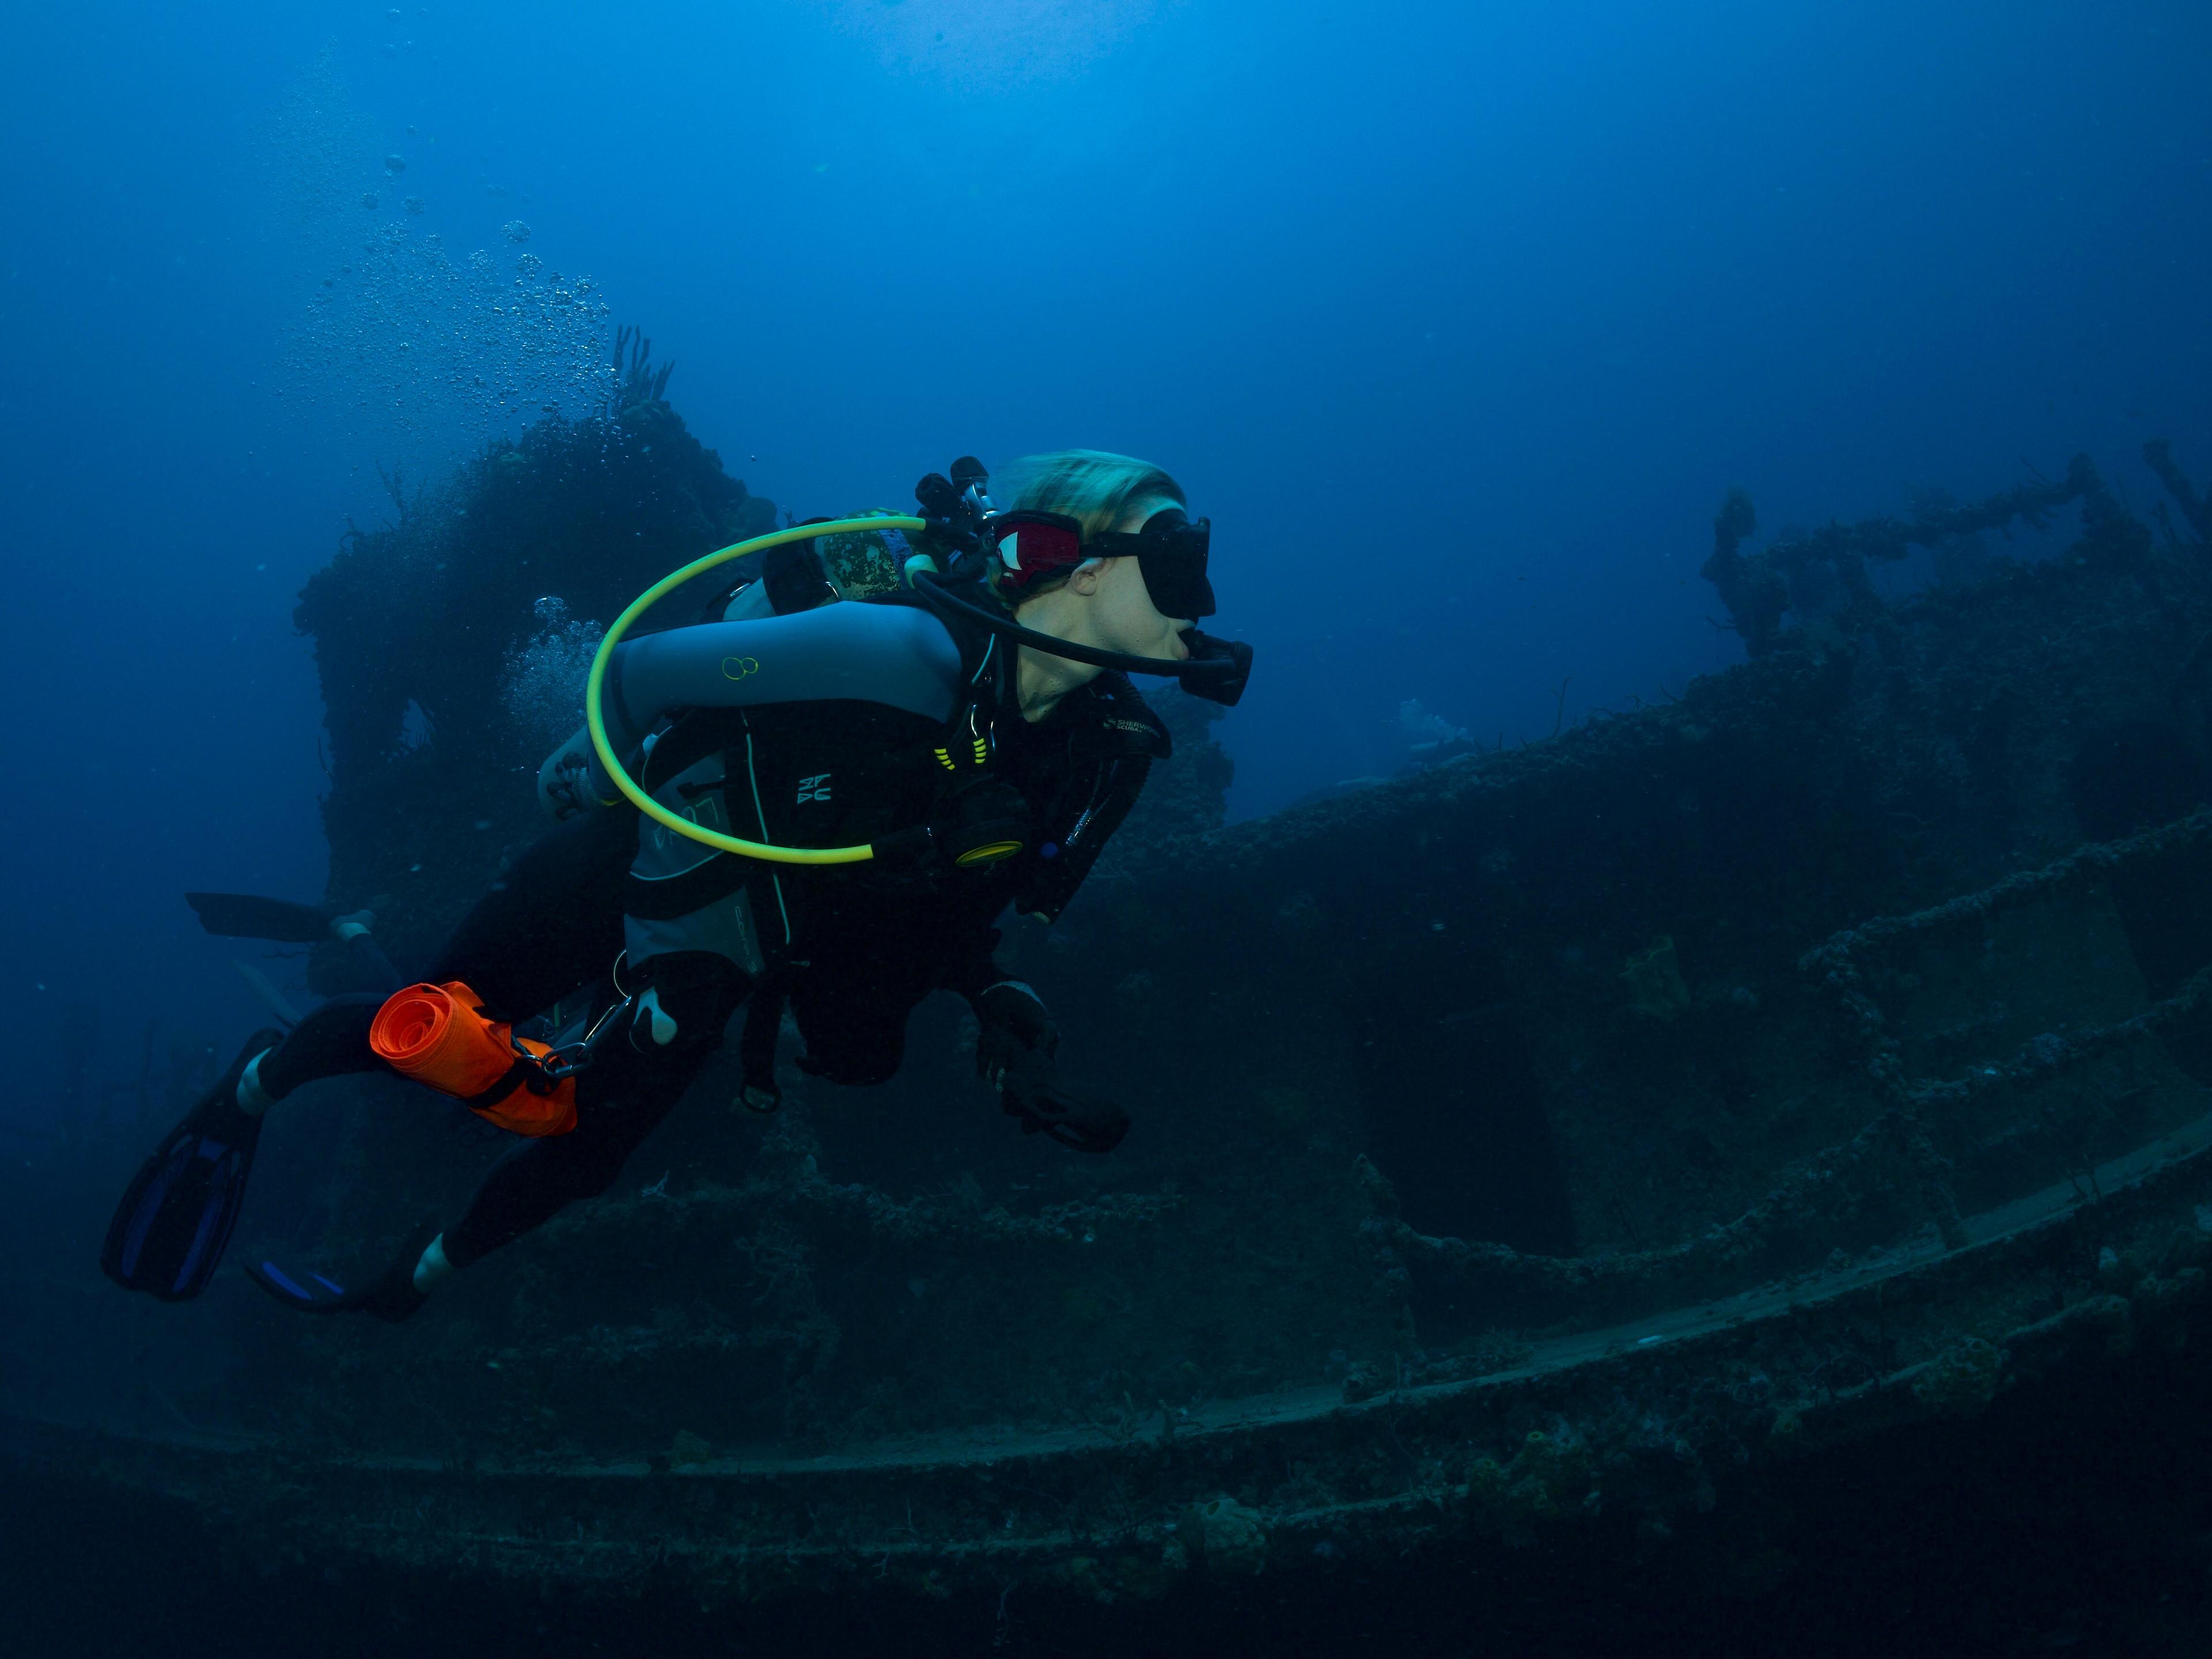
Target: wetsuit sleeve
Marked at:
893, 654
975, 966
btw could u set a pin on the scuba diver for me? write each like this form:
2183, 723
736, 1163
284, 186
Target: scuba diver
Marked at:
963, 706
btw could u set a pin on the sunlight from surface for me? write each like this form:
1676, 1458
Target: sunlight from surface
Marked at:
974, 44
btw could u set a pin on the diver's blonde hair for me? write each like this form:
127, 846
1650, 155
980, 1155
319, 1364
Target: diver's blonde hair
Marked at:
1097, 490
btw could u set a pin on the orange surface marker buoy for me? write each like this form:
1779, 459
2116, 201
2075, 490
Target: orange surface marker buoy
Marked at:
437, 1035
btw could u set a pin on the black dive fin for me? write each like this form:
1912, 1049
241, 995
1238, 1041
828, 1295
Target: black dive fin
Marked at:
303, 1292
243, 915
390, 1298
1083, 1122
168, 1233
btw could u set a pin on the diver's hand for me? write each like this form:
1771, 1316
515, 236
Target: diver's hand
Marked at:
1016, 1031
561, 792
564, 780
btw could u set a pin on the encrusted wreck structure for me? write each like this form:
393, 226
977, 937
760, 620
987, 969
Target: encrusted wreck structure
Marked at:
1562, 1141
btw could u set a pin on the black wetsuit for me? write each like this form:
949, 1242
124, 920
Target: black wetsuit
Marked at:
859, 949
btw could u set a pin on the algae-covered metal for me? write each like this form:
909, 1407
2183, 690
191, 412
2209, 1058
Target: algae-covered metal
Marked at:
1557, 1134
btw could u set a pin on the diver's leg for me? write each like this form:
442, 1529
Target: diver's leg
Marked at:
636, 1077
537, 1179
330, 1042
371, 967
853, 1022
634, 1081
552, 923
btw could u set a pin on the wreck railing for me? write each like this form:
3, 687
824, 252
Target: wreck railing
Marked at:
2043, 1056
1892, 1151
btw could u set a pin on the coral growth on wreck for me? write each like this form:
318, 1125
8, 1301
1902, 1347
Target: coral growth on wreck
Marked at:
469, 606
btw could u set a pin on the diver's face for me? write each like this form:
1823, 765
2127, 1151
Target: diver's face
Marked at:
1126, 620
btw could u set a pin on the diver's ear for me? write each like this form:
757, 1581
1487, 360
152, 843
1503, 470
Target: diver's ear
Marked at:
1085, 577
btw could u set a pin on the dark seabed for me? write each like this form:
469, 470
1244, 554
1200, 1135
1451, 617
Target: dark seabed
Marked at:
2077, 1522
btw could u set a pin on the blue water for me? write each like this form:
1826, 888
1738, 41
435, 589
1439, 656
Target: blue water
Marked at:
1456, 318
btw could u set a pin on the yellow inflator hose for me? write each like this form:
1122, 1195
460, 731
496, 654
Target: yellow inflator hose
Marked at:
645, 803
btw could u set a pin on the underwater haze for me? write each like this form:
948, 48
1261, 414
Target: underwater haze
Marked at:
1454, 318
1457, 320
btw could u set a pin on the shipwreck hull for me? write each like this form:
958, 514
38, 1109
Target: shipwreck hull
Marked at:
1549, 1145
1629, 1429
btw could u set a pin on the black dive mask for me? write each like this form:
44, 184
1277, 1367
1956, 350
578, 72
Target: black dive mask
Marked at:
1170, 551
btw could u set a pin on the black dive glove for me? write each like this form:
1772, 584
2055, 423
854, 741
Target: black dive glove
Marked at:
1015, 1026
1014, 1053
